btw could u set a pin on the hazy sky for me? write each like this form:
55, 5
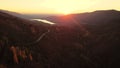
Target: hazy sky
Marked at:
58, 6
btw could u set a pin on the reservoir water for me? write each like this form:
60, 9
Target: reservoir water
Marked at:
44, 21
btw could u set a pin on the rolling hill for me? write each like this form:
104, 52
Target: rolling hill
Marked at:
87, 40
103, 41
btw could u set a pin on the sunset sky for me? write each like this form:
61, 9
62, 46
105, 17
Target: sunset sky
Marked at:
58, 6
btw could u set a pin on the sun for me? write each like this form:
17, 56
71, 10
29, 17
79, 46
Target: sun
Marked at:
64, 11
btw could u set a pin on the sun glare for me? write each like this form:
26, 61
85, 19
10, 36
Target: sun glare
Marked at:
64, 12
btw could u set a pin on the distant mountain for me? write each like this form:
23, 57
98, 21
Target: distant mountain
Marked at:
88, 18
15, 14
98, 16
39, 16
28, 16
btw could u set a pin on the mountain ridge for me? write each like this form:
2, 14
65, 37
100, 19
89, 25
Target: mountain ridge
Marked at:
86, 41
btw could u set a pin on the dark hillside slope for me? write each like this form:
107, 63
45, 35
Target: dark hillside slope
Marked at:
16, 34
106, 42
90, 40
16, 27
103, 46
50, 46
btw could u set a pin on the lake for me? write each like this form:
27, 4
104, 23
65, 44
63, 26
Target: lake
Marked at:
44, 21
